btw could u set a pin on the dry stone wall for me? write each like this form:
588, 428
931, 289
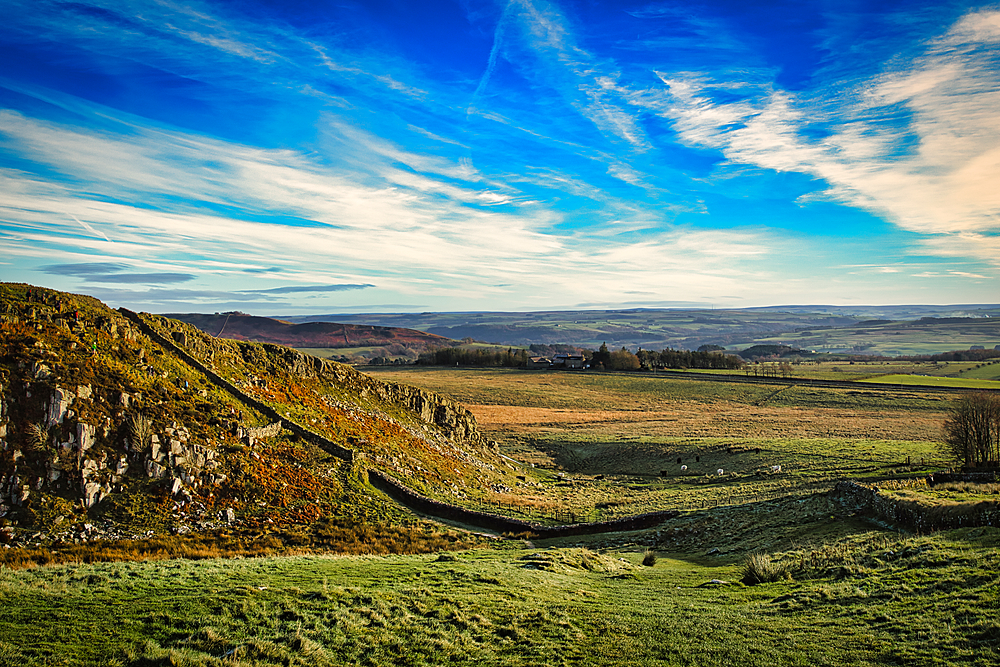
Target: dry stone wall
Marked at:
221, 382
503, 524
870, 502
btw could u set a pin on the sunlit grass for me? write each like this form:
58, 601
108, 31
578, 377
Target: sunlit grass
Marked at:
965, 383
863, 600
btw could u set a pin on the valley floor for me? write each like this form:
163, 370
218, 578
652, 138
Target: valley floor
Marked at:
841, 591
866, 598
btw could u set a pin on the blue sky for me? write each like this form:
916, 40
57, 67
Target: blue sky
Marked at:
314, 157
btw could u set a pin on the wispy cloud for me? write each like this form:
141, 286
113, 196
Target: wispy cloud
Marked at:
107, 272
307, 288
558, 161
934, 172
554, 58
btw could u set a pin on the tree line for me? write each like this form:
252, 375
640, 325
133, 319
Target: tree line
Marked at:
670, 358
601, 359
972, 430
477, 356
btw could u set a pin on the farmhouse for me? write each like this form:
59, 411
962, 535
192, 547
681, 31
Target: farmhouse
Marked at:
568, 361
539, 362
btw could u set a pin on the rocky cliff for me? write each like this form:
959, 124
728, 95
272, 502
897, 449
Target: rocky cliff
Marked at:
132, 423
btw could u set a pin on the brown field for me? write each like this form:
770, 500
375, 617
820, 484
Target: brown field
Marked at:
518, 403
724, 420
619, 438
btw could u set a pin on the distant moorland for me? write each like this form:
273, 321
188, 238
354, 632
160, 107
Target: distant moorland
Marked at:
882, 330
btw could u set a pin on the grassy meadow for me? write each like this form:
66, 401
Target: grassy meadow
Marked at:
962, 382
837, 591
600, 446
872, 370
865, 598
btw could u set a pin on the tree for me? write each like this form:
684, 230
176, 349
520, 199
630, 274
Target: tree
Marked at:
972, 430
623, 360
602, 357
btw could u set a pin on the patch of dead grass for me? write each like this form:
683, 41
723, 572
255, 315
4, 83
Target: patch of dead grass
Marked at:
689, 419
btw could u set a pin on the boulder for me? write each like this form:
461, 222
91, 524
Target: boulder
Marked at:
91, 494
58, 406
84, 436
154, 469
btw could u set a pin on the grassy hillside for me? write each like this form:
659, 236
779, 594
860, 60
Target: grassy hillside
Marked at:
353, 339
862, 598
895, 338
109, 435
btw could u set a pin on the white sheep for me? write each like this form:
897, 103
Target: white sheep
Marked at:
720, 472
684, 468
775, 468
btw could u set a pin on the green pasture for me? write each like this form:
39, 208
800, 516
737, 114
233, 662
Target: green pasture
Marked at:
963, 382
863, 598
861, 370
948, 494
629, 464
650, 456
334, 352
606, 477
984, 371
892, 338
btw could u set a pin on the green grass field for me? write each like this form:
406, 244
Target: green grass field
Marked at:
865, 598
619, 437
963, 382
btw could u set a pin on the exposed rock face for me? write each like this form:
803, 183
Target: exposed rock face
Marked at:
3, 421
58, 406
84, 436
453, 418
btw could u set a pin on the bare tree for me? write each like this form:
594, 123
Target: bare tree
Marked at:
972, 429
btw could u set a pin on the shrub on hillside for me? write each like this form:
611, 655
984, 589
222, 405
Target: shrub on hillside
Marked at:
758, 568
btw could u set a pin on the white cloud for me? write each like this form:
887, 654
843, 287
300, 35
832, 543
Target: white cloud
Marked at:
413, 237
935, 174
588, 84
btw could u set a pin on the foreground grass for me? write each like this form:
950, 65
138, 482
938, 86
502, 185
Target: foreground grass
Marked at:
867, 602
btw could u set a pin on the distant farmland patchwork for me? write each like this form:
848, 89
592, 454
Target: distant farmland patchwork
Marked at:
891, 331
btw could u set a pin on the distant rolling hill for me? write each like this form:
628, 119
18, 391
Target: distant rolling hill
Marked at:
239, 326
888, 330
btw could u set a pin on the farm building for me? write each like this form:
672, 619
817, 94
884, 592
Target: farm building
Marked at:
568, 361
